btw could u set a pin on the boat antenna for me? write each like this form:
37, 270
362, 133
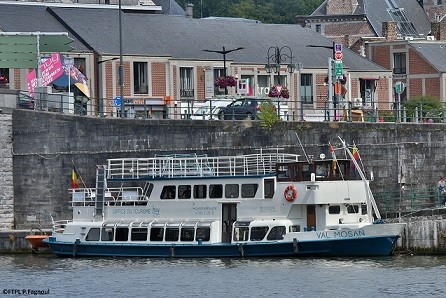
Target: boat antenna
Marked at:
306, 156
369, 195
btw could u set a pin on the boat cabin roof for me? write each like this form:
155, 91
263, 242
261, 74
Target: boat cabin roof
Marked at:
321, 170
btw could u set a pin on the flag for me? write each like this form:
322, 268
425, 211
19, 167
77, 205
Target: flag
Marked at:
74, 182
333, 156
355, 154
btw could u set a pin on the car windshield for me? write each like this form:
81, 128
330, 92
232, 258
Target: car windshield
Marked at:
202, 110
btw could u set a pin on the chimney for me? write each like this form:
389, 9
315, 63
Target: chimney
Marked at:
438, 30
189, 10
389, 30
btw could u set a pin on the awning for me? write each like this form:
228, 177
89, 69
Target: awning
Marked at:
22, 49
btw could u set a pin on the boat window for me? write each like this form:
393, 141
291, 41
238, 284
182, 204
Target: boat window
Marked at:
363, 209
200, 191
231, 191
172, 234
295, 228
284, 172
107, 234
306, 172
184, 192
249, 190
204, 233
139, 234
93, 235
322, 170
334, 209
156, 234
147, 190
258, 233
168, 192
268, 185
122, 234
353, 209
187, 234
277, 233
241, 233
215, 191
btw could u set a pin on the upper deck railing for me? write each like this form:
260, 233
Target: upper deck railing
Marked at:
187, 165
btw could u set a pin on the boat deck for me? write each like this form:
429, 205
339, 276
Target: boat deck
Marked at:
193, 165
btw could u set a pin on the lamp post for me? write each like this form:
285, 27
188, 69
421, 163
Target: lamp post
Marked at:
101, 105
121, 70
276, 57
331, 106
69, 62
224, 52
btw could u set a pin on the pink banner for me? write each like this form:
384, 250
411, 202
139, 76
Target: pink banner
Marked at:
51, 69
31, 81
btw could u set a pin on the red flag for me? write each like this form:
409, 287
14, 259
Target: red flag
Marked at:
333, 156
355, 154
74, 182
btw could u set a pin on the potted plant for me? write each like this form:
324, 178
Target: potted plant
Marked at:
228, 81
279, 91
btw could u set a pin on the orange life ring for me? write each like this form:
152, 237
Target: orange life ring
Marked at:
290, 193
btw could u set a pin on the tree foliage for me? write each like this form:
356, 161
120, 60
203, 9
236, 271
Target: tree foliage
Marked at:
266, 11
428, 107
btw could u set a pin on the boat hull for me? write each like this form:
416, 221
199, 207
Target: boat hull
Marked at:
373, 246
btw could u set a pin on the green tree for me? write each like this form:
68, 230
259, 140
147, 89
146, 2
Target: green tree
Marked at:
268, 115
428, 107
266, 11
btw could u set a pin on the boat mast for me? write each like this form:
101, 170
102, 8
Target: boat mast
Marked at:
371, 203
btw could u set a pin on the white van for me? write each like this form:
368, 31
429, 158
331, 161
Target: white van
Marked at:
206, 113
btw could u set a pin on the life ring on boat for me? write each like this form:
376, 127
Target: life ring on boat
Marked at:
290, 193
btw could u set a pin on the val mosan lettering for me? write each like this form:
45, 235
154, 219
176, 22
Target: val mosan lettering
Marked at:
340, 234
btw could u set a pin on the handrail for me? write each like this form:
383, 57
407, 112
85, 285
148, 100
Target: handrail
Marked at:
195, 166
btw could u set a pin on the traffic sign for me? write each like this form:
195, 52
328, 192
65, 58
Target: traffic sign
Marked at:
338, 47
117, 101
338, 69
399, 87
338, 55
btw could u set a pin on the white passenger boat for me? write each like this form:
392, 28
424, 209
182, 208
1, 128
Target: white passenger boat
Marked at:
264, 204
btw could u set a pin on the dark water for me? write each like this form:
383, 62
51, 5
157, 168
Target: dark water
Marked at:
398, 276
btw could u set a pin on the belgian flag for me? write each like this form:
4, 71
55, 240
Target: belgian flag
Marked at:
74, 178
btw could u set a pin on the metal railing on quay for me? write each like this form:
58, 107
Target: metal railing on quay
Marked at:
392, 203
214, 109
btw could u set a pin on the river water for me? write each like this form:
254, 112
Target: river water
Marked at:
49, 276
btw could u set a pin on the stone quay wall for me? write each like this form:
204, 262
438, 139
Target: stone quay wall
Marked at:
40, 149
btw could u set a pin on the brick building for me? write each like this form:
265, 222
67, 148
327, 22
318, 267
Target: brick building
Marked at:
165, 66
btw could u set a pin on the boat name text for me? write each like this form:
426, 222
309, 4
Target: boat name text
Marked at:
340, 234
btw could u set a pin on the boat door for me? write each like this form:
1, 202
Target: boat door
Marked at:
311, 217
228, 217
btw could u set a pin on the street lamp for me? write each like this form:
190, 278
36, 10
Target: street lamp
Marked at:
278, 56
101, 105
330, 78
224, 52
121, 70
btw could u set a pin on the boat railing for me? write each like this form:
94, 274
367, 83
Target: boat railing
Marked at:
59, 225
87, 196
195, 166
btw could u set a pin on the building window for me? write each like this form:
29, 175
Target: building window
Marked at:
187, 82
4, 77
318, 28
140, 84
306, 88
399, 63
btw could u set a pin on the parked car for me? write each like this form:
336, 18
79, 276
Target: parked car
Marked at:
243, 108
25, 102
206, 113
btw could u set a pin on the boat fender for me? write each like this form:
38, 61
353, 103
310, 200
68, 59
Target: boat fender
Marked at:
290, 193
295, 245
76, 243
241, 249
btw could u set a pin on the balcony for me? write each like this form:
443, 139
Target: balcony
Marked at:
187, 93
